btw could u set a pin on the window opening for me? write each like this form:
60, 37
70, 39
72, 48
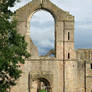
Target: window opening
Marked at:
68, 35
91, 65
68, 55
42, 32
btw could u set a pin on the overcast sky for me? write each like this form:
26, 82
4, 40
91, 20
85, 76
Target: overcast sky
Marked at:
81, 9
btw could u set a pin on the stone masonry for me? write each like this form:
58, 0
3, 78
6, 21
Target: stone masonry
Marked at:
69, 71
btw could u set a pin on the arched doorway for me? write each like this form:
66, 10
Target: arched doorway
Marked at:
41, 85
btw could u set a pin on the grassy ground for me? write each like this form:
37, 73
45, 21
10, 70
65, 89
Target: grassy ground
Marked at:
43, 90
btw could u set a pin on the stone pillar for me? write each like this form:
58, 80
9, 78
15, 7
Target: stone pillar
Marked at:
69, 57
34, 86
59, 40
69, 40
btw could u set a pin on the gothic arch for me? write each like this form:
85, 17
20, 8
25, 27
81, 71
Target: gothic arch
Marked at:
30, 16
47, 33
24, 14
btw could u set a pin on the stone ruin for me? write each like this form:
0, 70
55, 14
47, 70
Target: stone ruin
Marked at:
69, 70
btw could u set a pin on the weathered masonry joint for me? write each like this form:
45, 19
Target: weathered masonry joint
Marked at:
69, 70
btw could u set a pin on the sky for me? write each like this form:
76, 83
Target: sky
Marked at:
81, 9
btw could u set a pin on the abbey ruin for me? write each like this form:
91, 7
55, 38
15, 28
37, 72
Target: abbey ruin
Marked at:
69, 71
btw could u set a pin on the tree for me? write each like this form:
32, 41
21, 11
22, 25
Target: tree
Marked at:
13, 48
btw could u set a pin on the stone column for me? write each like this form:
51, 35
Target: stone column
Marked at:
59, 40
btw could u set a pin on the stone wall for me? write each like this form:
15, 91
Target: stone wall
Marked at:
84, 58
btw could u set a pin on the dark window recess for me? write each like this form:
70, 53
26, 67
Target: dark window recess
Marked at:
68, 35
91, 65
68, 55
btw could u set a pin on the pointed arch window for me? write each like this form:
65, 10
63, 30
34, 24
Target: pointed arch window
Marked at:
42, 31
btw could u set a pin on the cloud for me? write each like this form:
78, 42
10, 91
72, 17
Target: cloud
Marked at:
86, 25
43, 39
83, 34
83, 38
42, 25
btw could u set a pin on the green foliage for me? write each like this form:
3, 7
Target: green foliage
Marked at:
13, 48
43, 90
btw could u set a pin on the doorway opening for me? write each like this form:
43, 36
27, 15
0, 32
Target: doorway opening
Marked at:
41, 85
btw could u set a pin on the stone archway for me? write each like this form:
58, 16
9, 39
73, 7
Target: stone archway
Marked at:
40, 85
35, 51
42, 32
63, 21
